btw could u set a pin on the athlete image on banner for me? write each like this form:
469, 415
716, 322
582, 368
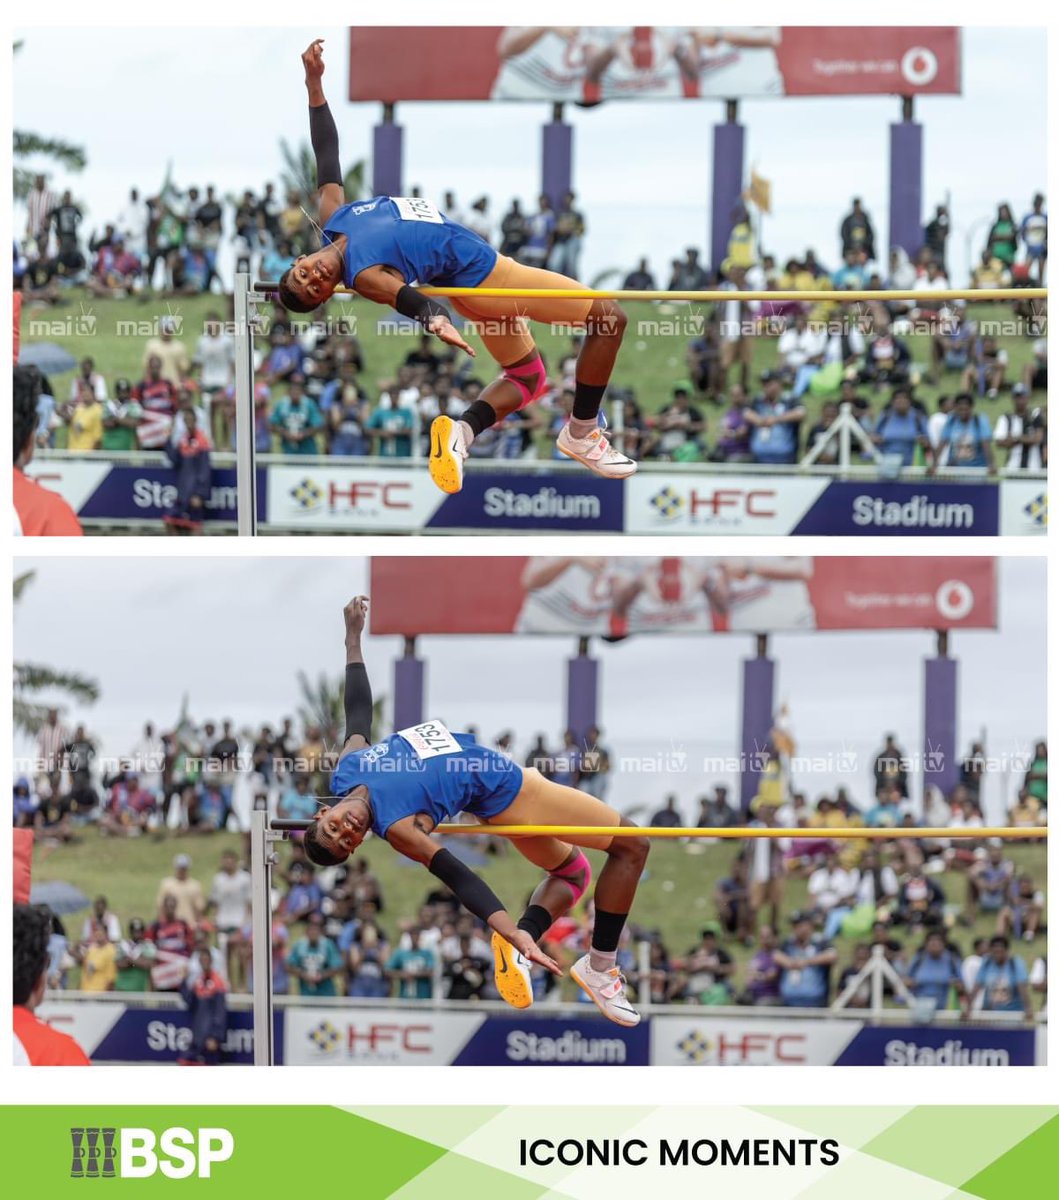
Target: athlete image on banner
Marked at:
619, 596
589, 63
726, 62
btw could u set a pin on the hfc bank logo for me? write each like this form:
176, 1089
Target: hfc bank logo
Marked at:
95, 1153
107, 1152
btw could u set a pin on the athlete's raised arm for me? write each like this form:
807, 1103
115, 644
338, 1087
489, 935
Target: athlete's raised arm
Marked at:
324, 134
411, 837
357, 701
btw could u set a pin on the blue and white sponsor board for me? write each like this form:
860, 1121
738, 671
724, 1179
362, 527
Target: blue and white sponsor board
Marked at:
527, 1041
118, 491
902, 509
375, 496
130, 1030
114, 1032
562, 503
940, 1046
1023, 508
341, 498
662, 502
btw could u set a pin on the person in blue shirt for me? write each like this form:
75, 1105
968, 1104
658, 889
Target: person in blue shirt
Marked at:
402, 787
1003, 981
805, 961
297, 420
934, 970
392, 425
774, 421
314, 960
413, 967
382, 247
901, 427
967, 435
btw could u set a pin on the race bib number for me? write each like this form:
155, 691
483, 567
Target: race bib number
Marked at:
430, 739
412, 208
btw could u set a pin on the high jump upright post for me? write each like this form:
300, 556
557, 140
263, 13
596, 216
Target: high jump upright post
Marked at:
247, 323
264, 834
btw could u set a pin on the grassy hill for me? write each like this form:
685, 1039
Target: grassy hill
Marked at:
675, 897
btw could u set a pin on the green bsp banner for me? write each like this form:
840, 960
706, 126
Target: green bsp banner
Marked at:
522, 1153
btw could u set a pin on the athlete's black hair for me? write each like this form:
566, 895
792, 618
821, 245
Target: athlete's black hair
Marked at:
316, 852
29, 953
26, 384
290, 299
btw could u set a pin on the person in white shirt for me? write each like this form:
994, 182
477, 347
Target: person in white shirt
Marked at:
132, 222
215, 358
1021, 433
832, 889
802, 348
88, 377
101, 915
229, 900
936, 423
478, 220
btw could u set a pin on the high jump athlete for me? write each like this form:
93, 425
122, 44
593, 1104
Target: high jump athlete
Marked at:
402, 787
383, 246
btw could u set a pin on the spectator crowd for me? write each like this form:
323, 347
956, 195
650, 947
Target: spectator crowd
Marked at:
313, 396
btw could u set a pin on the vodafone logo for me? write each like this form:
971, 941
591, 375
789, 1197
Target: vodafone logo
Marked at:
919, 66
954, 600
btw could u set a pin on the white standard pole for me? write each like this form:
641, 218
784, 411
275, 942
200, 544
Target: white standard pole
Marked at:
261, 934
245, 470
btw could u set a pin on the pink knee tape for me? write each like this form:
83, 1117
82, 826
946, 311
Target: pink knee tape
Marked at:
530, 378
577, 875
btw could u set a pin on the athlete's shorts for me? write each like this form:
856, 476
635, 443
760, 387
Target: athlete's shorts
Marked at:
501, 321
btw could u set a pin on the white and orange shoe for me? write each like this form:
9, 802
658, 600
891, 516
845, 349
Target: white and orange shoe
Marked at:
606, 990
596, 453
448, 451
511, 971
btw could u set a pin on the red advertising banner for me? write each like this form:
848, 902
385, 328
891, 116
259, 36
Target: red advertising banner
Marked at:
620, 595
23, 864
653, 62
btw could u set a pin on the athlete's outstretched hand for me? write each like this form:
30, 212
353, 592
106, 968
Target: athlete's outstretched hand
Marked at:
313, 61
355, 614
524, 943
443, 328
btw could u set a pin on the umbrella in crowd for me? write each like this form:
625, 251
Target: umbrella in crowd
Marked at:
61, 897
47, 357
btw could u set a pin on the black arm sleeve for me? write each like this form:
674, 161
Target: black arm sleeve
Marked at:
412, 303
473, 893
324, 135
357, 701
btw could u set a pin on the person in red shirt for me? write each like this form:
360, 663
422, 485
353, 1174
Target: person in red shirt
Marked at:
36, 1043
38, 512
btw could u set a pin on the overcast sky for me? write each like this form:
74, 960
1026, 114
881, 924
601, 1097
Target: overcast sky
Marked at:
231, 634
139, 101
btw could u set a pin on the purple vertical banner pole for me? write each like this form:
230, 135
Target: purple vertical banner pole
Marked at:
386, 156
729, 144
582, 693
906, 187
409, 688
759, 679
557, 158
941, 766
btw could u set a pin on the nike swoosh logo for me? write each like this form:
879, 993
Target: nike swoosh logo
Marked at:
503, 963
437, 446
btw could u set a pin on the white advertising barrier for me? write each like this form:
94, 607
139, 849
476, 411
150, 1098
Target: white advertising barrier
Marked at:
1023, 508
339, 498
685, 503
336, 1037
87, 1021
74, 479
732, 1042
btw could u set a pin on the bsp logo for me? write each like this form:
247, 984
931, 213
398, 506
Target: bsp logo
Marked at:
107, 1152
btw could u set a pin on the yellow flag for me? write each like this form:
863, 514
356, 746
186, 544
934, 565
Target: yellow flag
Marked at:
760, 192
